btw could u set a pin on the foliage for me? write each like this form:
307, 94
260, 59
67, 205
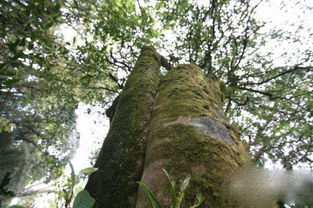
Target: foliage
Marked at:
68, 185
39, 123
39, 90
176, 198
83, 200
38, 93
118, 30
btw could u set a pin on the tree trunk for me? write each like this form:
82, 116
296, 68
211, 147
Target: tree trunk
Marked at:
176, 124
121, 158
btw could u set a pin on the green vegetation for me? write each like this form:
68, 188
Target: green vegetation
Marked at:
37, 105
264, 69
83, 200
176, 198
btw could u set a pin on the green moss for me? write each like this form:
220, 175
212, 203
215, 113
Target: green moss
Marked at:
121, 158
184, 151
185, 92
193, 154
187, 84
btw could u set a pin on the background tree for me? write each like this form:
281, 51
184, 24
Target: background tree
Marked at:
40, 89
36, 125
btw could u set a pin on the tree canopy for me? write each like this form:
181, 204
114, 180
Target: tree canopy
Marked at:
37, 103
265, 70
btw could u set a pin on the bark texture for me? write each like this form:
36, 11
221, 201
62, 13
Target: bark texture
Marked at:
175, 122
189, 136
120, 161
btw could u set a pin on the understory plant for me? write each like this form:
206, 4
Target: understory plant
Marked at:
176, 197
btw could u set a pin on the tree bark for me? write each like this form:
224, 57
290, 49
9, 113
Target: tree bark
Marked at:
189, 136
175, 122
121, 157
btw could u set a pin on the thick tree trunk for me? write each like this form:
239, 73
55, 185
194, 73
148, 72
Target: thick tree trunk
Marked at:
190, 137
120, 161
176, 124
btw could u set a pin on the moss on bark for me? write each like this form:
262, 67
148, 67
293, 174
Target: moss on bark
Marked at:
185, 147
177, 124
120, 160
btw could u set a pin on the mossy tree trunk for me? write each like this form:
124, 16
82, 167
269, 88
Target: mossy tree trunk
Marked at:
175, 122
120, 162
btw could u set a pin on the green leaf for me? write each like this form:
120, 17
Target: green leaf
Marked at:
182, 191
171, 188
87, 171
83, 200
152, 197
30, 46
185, 184
10, 82
199, 201
15, 64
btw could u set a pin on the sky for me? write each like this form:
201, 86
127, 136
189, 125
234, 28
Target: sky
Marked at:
92, 128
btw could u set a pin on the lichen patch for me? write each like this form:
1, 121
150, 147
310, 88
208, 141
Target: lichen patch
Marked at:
205, 125
179, 120
212, 129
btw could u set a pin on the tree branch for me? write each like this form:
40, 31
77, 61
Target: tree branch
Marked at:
295, 68
113, 78
165, 63
256, 91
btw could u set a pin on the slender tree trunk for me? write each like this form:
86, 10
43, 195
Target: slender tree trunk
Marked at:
176, 124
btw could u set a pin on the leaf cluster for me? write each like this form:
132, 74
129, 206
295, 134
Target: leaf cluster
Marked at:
176, 197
